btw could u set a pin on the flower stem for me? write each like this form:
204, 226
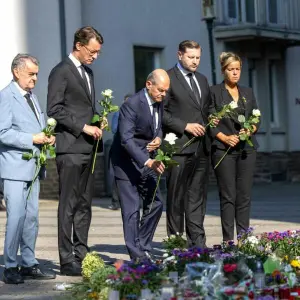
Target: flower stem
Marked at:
157, 184
221, 158
37, 171
95, 156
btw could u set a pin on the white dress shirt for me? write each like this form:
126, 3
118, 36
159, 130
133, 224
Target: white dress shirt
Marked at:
150, 103
187, 78
77, 64
23, 93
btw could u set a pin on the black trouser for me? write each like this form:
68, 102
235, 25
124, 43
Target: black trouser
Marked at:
187, 195
74, 209
235, 178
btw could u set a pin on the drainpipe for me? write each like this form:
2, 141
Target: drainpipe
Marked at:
62, 25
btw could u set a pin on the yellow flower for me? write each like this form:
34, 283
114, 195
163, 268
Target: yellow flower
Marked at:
295, 263
91, 263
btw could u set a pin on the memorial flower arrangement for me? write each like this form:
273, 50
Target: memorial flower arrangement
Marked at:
222, 272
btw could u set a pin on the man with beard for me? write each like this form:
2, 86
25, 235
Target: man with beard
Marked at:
186, 114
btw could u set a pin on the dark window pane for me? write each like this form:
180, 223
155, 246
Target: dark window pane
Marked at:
273, 11
250, 11
232, 9
143, 65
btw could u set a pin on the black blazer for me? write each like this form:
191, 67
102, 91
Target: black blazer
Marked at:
135, 131
181, 107
72, 106
220, 97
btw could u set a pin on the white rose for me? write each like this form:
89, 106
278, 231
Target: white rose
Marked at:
107, 93
241, 119
252, 240
256, 112
233, 105
171, 138
51, 122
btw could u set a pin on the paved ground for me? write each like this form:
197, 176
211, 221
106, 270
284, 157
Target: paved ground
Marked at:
275, 207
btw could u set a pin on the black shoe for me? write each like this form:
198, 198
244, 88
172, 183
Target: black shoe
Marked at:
35, 272
12, 276
71, 269
113, 207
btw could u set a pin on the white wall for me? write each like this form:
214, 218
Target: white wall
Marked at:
30, 26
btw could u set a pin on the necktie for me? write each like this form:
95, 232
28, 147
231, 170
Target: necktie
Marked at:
154, 113
84, 78
30, 103
194, 88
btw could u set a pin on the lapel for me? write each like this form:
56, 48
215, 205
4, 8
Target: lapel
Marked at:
146, 108
41, 115
186, 86
17, 95
79, 78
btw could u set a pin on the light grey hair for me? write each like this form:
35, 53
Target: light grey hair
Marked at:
151, 77
19, 62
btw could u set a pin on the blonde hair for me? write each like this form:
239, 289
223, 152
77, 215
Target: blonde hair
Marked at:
226, 58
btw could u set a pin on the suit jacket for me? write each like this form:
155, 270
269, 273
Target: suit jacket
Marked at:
229, 126
72, 105
181, 107
18, 123
135, 131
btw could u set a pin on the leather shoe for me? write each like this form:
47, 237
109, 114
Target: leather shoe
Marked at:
71, 269
35, 272
12, 276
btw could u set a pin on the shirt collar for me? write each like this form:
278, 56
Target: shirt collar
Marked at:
75, 61
23, 92
150, 101
183, 70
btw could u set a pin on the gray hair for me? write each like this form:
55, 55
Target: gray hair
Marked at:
19, 62
151, 77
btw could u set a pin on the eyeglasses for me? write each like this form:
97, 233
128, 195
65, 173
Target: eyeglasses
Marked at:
92, 52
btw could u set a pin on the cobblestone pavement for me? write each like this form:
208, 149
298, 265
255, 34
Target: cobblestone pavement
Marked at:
274, 207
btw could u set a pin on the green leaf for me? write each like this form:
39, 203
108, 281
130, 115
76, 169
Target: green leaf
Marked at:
27, 155
167, 158
52, 152
113, 108
43, 158
247, 125
255, 120
159, 157
243, 137
95, 119
160, 152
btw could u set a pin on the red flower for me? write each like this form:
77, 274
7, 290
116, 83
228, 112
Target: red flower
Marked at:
251, 295
228, 268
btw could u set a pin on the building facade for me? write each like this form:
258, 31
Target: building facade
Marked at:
142, 35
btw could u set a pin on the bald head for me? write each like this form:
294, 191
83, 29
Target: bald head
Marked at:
157, 84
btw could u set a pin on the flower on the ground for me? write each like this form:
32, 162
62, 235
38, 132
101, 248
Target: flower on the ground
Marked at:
253, 240
91, 263
107, 93
295, 263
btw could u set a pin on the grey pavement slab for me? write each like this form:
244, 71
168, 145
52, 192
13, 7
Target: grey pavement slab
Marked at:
274, 207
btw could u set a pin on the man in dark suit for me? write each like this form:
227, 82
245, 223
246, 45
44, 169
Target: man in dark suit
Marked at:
139, 134
71, 101
186, 114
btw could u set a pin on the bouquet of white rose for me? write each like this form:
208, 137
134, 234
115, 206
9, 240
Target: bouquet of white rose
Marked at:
166, 157
41, 157
101, 119
226, 111
247, 125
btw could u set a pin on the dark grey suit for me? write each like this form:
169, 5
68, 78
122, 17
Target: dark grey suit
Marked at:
187, 183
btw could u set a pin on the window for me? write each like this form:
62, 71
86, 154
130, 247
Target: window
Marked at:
250, 11
232, 9
273, 94
272, 7
146, 59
